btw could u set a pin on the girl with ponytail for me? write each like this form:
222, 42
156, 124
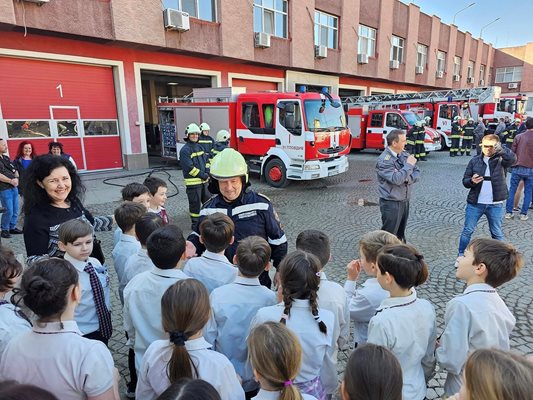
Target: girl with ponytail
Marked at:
404, 323
299, 278
275, 367
185, 311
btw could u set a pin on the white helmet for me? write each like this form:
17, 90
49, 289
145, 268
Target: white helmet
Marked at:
192, 129
204, 127
223, 135
457, 118
427, 118
419, 123
518, 120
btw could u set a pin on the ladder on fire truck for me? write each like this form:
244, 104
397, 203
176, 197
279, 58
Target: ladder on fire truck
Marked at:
489, 94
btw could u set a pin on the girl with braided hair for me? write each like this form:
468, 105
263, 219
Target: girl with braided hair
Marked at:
404, 323
185, 311
299, 278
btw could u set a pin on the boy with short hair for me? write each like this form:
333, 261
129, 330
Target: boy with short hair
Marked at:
139, 261
158, 189
93, 313
142, 295
331, 295
138, 193
234, 306
478, 318
126, 215
213, 268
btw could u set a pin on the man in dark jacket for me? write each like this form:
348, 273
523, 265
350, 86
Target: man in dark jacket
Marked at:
485, 177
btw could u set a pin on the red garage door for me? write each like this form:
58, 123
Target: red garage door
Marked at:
254, 86
43, 101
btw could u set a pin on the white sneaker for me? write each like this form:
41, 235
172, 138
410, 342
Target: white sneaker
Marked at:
523, 217
509, 216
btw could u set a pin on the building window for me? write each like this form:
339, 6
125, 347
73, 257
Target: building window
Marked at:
270, 16
396, 50
508, 74
482, 73
201, 9
367, 41
441, 61
470, 70
457, 65
326, 30
421, 55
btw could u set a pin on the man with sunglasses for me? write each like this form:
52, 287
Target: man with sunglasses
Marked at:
485, 177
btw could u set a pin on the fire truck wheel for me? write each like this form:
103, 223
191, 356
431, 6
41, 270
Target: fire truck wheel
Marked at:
275, 173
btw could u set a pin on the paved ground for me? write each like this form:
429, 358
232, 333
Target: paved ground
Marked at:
437, 215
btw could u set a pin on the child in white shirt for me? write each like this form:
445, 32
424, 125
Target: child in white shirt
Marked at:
185, 353
158, 189
478, 318
13, 321
93, 313
330, 294
372, 372
234, 305
365, 300
275, 367
403, 323
213, 268
299, 278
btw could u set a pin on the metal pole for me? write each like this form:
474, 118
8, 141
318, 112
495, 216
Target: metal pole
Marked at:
490, 23
468, 6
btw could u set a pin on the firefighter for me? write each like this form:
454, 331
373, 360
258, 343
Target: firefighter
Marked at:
420, 150
427, 120
205, 140
411, 140
510, 132
221, 142
251, 212
468, 136
455, 136
193, 162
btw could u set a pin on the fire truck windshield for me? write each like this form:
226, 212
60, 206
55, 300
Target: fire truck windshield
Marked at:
411, 118
320, 115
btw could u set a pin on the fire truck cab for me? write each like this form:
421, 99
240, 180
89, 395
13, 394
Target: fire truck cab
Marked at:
283, 136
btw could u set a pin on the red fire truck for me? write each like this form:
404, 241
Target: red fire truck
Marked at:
369, 128
283, 136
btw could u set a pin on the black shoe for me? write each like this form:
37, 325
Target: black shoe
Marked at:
16, 231
2, 209
5, 234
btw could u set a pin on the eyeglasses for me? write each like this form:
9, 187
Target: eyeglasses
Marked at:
485, 146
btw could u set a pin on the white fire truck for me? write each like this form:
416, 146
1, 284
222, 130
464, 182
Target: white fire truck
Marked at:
283, 136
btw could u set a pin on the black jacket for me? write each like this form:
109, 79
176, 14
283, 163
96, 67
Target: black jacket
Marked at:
497, 164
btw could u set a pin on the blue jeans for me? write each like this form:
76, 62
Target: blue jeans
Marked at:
494, 214
10, 201
520, 174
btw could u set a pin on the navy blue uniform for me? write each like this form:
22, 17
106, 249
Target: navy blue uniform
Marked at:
253, 215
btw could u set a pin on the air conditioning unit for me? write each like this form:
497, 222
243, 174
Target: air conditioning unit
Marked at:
321, 51
261, 39
362, 58
419, 70
512, 85
394, 64
176, 20
456, 78
469, 80
440, 74
481, 82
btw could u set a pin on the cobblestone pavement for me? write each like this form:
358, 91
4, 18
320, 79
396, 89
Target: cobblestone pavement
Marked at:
435, 222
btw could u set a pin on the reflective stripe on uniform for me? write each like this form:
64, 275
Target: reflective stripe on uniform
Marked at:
197, 154
194, 171
277, 242
194, 215
250, 207
193, 181
209, 211
204, 141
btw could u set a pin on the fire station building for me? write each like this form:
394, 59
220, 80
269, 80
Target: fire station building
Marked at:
88, 73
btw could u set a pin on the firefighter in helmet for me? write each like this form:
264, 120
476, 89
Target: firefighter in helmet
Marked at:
468, 137
251, 212
510, 132
411, 140
419, 141
193, 161
205, 140
221, 142
456, 136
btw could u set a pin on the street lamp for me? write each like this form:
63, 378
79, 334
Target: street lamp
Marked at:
490, 23
468, 6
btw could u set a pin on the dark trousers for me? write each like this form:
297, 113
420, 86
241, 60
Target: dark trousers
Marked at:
467, 145
454, 148
394, 216
197, 195
264, 279
131, 367
96, 335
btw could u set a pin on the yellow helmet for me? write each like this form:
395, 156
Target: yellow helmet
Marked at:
223, 135
192, 128
204, 127
229, 163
